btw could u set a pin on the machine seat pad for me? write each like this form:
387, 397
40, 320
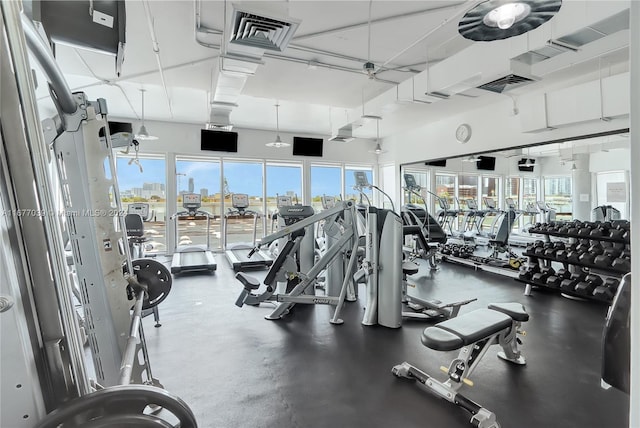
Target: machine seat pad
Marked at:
468, 328
249, 282
514, 310
409, 268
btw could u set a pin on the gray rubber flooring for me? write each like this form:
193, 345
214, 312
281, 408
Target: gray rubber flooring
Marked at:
236, 369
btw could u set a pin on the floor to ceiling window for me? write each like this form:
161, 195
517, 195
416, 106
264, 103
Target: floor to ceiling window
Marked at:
143, 180
201, 177
558, 195
350, 181
467, 189
490, 189
325, 180
282, 180
445, 188
422, 180
243, 177
612, 189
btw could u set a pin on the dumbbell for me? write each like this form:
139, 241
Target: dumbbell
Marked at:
550, 250
607, 290
587, 258
599, 231
554, 281
585, 230
539, 250
569, 284
589, 284
541, 277
526, 274
622, 264
607, 257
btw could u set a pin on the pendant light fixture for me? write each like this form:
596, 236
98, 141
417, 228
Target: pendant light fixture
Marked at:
378, 150
142, 133
277, 143
500, 19
472, 158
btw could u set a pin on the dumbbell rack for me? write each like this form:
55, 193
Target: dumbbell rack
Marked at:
606, 275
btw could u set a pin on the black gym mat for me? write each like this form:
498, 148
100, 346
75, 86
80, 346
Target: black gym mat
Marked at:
236, 369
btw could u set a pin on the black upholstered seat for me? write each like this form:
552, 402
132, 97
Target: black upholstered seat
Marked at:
514, 310
249, 282
409, 268
468, 329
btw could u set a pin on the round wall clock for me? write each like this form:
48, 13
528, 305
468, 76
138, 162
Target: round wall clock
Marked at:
463, 133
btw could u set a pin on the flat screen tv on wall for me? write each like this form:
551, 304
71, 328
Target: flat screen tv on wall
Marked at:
307, 146
526, 165
486, 163
218, 141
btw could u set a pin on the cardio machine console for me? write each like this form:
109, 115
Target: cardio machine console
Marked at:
139, 208
410, 182
490, 203
240, 200
361, 179
191, 202
284, 201
328, 202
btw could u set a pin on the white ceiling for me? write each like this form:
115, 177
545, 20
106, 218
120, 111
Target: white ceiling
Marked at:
333, 36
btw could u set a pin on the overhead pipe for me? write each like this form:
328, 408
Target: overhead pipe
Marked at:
108, 82
293, 46
156, 50
468, 6
377, 21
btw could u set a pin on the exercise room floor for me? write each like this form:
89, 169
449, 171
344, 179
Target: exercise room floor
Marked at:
236, 369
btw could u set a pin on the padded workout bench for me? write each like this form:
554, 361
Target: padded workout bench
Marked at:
473, 333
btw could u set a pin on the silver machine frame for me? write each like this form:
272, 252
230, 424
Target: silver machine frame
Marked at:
308, 279
382, 269
43, 360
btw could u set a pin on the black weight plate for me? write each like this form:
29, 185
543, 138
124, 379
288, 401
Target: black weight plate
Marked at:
156, 277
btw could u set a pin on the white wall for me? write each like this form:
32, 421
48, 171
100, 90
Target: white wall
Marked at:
494, 127
184, 139
614, 160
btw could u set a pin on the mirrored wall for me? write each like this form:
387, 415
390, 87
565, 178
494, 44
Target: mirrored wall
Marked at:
570, 177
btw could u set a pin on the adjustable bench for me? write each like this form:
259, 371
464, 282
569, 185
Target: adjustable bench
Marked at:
473, 333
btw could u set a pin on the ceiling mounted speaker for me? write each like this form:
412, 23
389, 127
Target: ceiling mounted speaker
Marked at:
501, 19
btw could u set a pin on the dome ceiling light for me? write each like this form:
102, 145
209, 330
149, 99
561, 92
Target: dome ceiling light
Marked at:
500, 19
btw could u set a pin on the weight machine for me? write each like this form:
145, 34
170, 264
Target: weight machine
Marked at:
44, 355
285, 268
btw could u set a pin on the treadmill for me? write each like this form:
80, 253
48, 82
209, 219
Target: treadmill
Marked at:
192, 258
244, 256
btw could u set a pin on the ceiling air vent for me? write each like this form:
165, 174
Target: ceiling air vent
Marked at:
344, 135
505, 83
261, 32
